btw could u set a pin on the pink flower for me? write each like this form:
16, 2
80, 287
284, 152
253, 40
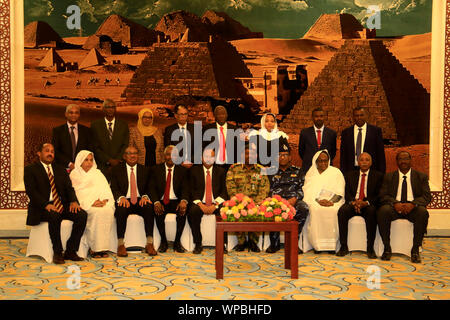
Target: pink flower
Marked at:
251, 205
240, 197
223, 215
285, 215
237, 215
262, 208
244, 213
277, 211
231, 203
278, 197
268, 214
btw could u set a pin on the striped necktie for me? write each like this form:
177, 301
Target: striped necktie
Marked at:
56, 201
110, 131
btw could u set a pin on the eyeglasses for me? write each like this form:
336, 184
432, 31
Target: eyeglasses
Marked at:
131, 153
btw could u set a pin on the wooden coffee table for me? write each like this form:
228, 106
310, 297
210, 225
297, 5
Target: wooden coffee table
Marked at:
290, 241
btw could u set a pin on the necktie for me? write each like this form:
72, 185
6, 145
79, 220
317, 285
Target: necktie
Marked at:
362, 187
56, 200
74, 144
319, 138
222, 145
133, 189
358, 144
404, 197
166, 198
110, 132
184, 144
208, 196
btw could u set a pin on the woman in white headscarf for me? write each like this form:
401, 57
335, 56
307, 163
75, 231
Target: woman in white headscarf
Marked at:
324, 191
95, 197
267, 141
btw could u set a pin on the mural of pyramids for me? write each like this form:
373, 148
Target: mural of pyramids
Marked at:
365, 73
39, 33
335, 26
93, 58
187, 68
51, 58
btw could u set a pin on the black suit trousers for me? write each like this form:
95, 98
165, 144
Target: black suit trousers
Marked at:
160, 220
145, 212
54, 220
369, 213
195, 218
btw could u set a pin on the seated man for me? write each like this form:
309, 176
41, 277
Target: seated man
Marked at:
53, 199
362, 188
404, 195
288, 183
169, 191
129, 185
208, 191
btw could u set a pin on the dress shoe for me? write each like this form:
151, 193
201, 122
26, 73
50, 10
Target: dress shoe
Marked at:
198, 249
316, 251
415, 256
272, 249
386, 255
343, 251
225, 251
163, 247
122, 251
150, 249
58, 258
300, 251
253, 247
178, 247
239, 247
72, 256
371, 254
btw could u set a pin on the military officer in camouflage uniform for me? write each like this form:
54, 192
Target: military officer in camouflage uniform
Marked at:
288, 183
247, 178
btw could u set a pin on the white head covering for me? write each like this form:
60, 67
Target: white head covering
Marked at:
80, 177
269, 136
313, 171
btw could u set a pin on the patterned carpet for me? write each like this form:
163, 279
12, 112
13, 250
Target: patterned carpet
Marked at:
246, 276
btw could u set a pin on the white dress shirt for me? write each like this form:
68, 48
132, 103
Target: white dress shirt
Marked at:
129, 185
46, 171
107, 124
365, 183
225, 126
172, 195
321, 133
218, 200
363, 140
410, 196
75, 130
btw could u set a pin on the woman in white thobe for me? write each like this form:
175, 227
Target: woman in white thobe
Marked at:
324, 191
95, 197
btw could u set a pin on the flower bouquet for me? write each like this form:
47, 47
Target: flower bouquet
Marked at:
276, 209
239, 208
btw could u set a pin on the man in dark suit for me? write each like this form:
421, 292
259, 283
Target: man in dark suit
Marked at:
111, 137
53, 199
208, 192
404, 195
315, 138
362, 188
169, 191
130, 187
70, 138
359, 138
224, 137
182, 133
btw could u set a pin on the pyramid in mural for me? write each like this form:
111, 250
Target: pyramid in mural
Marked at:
205, 69
38, 33
175, 24
51, 58
335, 26
229, 29
365, 73
93, 58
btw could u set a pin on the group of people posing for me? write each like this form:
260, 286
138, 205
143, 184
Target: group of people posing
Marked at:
100, 175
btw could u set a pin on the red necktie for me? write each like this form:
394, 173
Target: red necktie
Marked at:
208, 196
319, 138
166, 198
361, 188
222, 145
56, 200
133, 191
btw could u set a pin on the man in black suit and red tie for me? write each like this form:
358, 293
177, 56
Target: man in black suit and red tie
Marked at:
315, 138
182, 133
405, 194
70, 138
359, 138
53, 199
169, 191
362, 188
130, 187
208, 192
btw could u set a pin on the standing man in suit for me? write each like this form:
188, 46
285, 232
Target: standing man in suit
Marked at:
53, 199
111, 137
315, 138
169, 191
359, 138
181, 132
208, 191
130, 187
404, 195
362, 188
70, 138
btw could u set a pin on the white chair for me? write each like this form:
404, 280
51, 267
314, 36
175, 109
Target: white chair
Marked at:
134, 233
40, 244
171, 230
402, 235
208, 230
357, 234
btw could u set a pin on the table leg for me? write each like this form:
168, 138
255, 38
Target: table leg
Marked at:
219, 253
294, 253
287, 250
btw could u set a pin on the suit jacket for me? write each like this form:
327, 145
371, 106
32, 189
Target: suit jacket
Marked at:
373, 181
169, 141
232, 155
197, 177
373, 145
106, 149
63, 144
307, 145
37, 187
119, 180
419, 184
179, 179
